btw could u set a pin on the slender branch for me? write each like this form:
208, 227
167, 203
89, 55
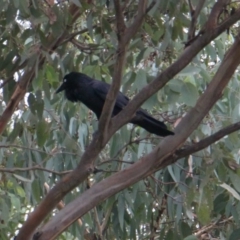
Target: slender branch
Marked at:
208, 141
16, 98
194, 15
13, 170
107, 217
135, 141
187, 150
83, 47
21, 147
124, 36
97, 222
117, 76
52, 152
61, 126
211, 226
142, 11
190, 7
186, 57
112, 159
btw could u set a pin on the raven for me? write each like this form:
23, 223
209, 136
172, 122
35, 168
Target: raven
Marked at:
92, 93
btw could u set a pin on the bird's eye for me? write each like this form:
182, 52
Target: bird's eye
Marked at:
64, 80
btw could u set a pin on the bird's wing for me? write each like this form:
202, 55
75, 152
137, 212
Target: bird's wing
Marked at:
101, 89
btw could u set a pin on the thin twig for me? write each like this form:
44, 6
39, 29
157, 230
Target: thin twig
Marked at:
207, 228
13, 170
36, 150
194, 15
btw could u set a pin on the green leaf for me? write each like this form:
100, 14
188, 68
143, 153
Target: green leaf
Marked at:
17, 130
189, 70
235, 180
16, 3
51, 74
230, 190
76, 2
185, 229
203, 213
15, 202
121, 210
31, 103
36, 190
191, 237
5, 211
189, 94
220, 203
141, 80
23, 179
20, 191
171, 173
236, 112
170, 235
42, 133
235, 234
220, 48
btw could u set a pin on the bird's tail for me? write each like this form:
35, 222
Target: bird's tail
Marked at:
152, 125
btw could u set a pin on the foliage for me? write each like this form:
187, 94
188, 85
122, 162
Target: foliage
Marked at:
46, 136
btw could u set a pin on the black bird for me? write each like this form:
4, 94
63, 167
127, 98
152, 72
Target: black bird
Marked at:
92, 93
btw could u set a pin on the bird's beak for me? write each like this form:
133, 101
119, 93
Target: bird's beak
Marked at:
61, 88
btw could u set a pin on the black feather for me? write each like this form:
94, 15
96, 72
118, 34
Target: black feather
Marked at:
92, 93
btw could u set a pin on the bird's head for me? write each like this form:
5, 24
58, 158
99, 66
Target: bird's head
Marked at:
70, 81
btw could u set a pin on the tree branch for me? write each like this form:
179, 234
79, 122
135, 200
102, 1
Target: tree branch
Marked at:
209, 227
83, 47
142, 10
148, 163
216, 11
52, 152
189, 53
124, 36
160, 157
117, 76
13, 170
194, 15
17, 96
107, 217
29, 74
208, 141
26, 232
